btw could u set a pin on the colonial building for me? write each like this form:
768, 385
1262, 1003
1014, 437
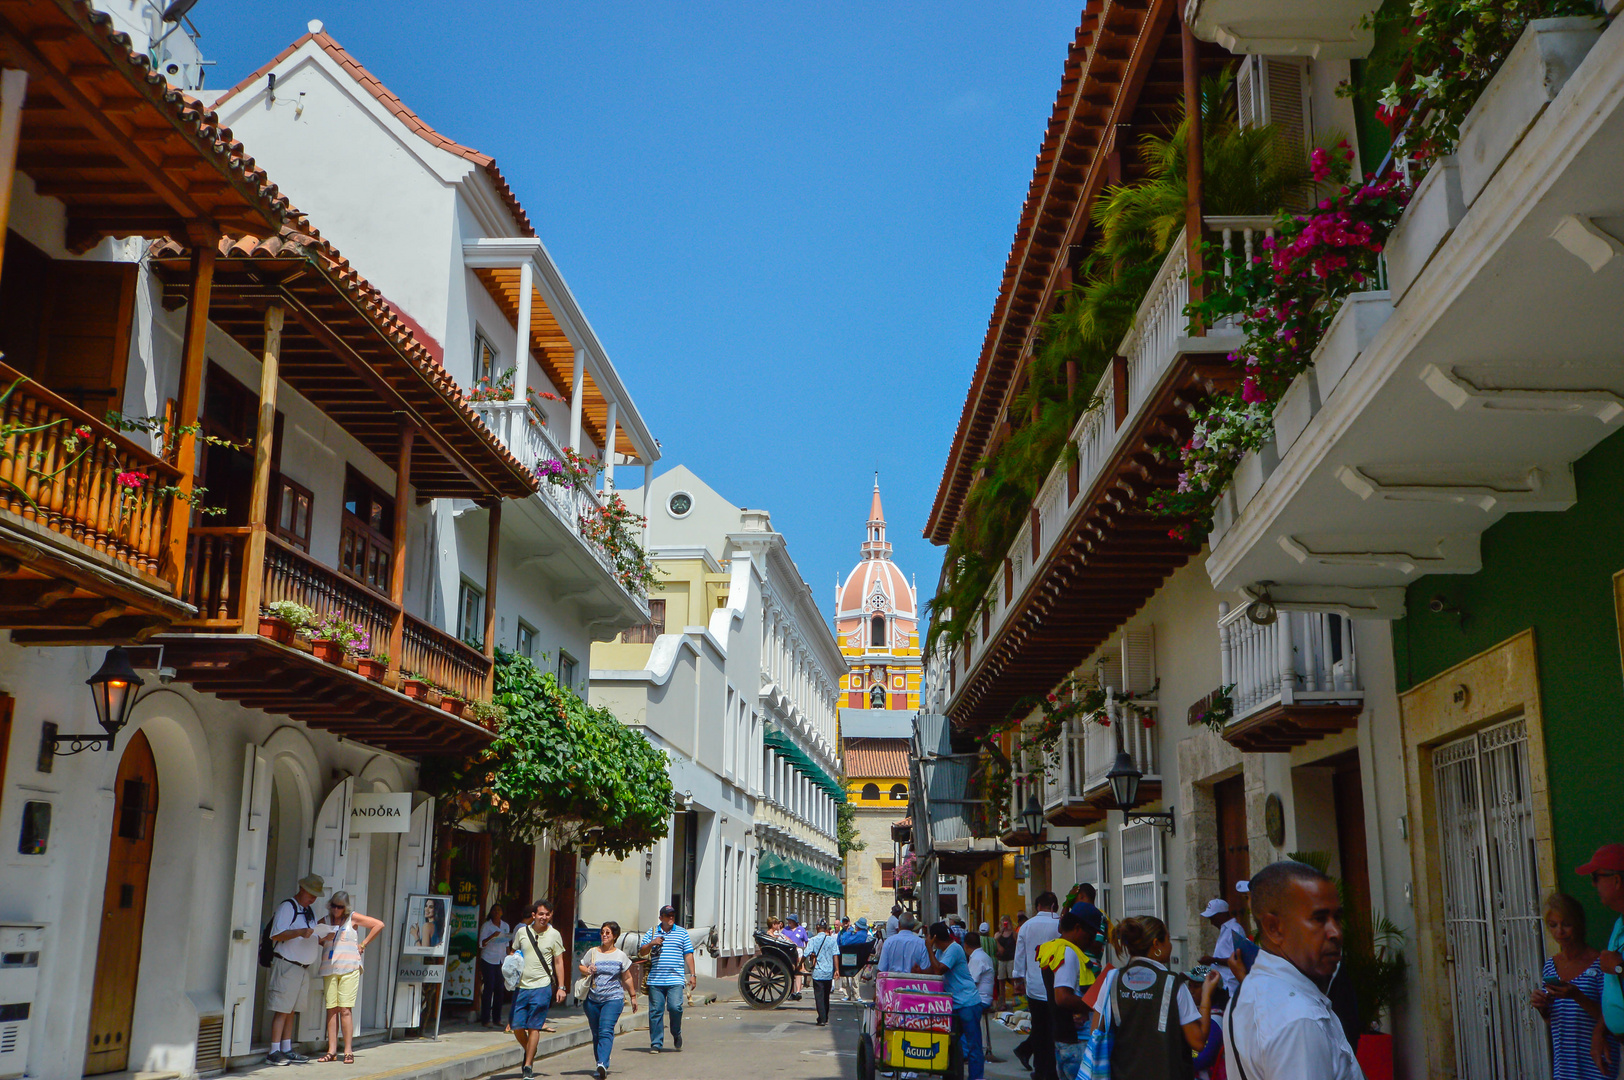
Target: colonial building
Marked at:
735, 676
877, 623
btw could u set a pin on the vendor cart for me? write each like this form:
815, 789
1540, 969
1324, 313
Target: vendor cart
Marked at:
908, 1028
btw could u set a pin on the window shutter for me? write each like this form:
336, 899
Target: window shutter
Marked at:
1284, 107
1139, 660
1144, 871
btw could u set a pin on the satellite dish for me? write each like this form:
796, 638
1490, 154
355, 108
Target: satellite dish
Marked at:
177, 9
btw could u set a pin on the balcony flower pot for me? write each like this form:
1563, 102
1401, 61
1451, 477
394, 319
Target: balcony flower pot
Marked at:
451, 705
370, 668
328, 651
277, 629
415, 688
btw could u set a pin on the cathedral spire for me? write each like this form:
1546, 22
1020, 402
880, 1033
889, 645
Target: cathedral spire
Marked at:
875, 545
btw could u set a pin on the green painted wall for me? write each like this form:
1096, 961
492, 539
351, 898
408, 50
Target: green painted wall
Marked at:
1553, 572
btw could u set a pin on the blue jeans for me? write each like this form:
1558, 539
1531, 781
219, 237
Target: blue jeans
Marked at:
970, 1040
601, 1017
661, 998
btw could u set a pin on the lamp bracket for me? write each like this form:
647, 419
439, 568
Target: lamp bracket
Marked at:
79, 743
1162, 820
1055, 845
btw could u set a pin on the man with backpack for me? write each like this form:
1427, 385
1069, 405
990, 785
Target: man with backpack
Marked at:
289, 946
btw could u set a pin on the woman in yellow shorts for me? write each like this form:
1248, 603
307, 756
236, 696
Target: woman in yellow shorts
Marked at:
341, 949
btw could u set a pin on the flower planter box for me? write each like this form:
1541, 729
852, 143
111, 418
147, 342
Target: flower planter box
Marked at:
451, 705
414, 688
370, 668
1533, 74
278, 630
1223, 516
1426, 223
331, 652
1252, 471
1352, 329
1296, 408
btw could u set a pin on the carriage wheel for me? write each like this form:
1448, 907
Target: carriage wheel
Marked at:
866, 1067
764, 982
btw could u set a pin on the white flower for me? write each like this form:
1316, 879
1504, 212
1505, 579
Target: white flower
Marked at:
1391, 98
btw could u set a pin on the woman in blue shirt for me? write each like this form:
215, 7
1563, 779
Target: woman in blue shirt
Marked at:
949, 961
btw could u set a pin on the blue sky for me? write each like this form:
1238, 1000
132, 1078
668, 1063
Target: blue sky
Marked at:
787, 223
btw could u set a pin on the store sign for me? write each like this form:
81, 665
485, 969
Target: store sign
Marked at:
413, 970
380, 811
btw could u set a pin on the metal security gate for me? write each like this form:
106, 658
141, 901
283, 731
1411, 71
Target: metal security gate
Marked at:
1491, 903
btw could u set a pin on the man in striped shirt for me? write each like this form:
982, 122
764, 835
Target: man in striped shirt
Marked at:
670, 976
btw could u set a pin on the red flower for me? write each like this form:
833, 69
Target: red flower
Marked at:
131, 479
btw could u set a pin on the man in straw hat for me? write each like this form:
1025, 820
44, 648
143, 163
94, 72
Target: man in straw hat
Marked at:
295, 948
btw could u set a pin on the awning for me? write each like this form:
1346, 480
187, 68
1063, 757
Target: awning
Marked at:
772, 870
786, 748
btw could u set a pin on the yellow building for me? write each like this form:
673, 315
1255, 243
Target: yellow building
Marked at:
874, 749
877, 625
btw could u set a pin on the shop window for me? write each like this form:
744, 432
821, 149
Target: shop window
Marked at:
366, 545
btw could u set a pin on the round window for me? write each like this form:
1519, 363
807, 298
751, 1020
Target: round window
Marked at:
680, 503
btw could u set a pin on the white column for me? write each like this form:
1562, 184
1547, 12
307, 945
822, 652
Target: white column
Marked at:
609, 448
577, 384
521, 348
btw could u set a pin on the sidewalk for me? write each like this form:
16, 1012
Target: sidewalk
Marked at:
465, 1051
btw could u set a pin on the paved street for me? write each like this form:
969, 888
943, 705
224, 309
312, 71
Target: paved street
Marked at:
722, 1039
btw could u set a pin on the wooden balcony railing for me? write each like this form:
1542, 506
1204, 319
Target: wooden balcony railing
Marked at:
65, 470
216, 573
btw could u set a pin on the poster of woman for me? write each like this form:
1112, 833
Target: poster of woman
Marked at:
425, 926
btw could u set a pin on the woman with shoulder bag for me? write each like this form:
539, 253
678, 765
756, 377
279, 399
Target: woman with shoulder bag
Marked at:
1156, 1026
606, 971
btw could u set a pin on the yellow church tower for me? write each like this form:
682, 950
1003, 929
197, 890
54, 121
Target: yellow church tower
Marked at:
877, 626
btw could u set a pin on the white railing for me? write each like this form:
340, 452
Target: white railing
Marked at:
1302, 657
1158, 324
1241, 240
1063, 780
532, 443
1021, 788
1138, 740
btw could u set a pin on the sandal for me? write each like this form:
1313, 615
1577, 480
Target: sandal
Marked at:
326, 1057
349, 1059
549, 1027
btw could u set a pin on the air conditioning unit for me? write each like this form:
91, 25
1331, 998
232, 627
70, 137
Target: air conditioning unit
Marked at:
1274, 90
19, 980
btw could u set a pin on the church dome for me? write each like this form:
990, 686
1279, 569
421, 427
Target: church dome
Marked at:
876, 585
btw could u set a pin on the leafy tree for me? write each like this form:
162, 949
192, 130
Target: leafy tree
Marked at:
846, 829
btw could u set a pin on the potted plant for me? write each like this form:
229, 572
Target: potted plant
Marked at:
334, 637
372, 667
451, 703
414, 685
281, 619
486, 714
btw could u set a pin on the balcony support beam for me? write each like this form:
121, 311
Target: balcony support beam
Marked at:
191, 394
397, 566
264, 436
609, 449
493, 548
1192, 188
521, 349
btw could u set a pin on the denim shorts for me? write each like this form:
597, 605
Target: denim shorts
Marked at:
530, 1008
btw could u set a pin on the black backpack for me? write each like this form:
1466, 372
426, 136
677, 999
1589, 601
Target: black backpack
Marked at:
267, 947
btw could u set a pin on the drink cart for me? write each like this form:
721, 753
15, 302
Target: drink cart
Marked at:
908, 1028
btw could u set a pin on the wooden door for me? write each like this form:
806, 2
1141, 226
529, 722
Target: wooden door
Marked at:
1234, 849
1352, 852
124, 908
564, 895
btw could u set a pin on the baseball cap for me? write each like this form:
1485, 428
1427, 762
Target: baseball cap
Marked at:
1215, 907
985, 929
667, 910
1243, 886
796, 919
1609, 858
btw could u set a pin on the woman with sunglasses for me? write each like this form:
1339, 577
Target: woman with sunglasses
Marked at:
341, 949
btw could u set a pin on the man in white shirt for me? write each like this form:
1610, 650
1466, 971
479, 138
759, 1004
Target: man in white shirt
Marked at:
1280, 1025
295, 947
981, 971
1229, 928
1036, 1051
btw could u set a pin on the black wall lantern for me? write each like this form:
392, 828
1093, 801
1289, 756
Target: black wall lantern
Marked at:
113, 688
1032, 819
1124, 778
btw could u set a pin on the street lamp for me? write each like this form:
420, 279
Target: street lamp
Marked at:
113, 689
1032, 819
1124, 778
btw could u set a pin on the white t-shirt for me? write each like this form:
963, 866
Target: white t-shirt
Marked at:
1068, 972
300, 950
981, 971
1224, 950
494, 951
1188, 1012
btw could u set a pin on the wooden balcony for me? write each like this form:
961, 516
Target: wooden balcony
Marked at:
220, 653
84, 524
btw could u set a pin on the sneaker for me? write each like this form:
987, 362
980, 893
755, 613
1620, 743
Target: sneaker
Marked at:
293, 1057
676, 1040
603, 1071
654, 1049
277, 1057
1025, 1058
529, 1073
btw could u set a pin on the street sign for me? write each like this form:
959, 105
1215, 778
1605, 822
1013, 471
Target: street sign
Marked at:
413, 969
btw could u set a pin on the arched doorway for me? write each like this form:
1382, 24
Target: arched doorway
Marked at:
287, 829
124, 909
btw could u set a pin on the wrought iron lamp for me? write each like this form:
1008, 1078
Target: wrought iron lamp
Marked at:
114, 689
1124, 779
1032, 819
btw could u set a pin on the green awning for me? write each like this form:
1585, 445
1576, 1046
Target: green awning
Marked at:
786, 748
771, 870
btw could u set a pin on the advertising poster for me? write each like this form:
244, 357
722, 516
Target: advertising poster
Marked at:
426, 918
462, 954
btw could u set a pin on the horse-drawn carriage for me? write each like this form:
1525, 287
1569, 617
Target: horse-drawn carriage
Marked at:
766, 978
908, 1028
